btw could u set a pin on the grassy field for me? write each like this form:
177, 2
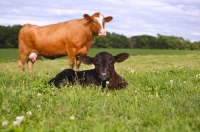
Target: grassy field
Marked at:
7, 55
163, 95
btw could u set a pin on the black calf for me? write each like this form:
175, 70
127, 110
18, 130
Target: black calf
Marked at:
103, 74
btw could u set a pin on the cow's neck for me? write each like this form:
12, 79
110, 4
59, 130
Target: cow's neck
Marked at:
88, 30
90, 36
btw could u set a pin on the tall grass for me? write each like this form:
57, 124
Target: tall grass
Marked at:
162, 95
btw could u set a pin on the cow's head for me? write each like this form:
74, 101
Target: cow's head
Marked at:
104, 63
97, 23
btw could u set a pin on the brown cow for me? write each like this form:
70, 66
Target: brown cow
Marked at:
71, 38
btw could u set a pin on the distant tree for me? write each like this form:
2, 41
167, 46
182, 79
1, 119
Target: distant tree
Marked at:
111, 40
172, 42
195, 46
184, 44
144, 42
152, 42
162, 42
119, 41
9, 39
9, 36
2, 36
8, 44
159, 42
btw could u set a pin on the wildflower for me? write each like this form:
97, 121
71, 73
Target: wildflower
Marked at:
72, 118
171, 81
135, 91
20, 118
131, 70
53, 93
157, 94
108, 94
38, 105
39, 94
184, 82
29, 113
198, 76
4, 123
107, 82
16, 123
4, 108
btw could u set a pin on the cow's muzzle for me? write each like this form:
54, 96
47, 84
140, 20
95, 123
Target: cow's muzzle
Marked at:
102, 32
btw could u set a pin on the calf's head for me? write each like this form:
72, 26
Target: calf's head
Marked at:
104, 63
97, 23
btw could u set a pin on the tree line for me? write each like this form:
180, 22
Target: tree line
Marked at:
9, 39
9, 36
162, 42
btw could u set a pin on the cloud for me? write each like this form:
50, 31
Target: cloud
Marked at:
167, 17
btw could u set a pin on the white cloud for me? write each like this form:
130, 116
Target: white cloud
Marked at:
167, 17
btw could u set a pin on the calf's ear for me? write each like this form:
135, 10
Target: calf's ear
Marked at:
86, 59
121, 57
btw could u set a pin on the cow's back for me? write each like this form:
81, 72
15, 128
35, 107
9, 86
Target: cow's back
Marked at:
53, 40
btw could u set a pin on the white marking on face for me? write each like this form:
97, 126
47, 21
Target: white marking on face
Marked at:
102, 32
100, 20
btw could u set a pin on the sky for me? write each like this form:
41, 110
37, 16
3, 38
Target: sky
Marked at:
180, 18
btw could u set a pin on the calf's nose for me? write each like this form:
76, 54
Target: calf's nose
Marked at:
103, 73
104, 76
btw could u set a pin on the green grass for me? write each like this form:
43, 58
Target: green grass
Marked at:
7, 55
162, 95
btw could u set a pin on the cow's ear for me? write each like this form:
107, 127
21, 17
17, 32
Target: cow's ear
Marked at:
108, 19
86, 16
121, 57
86, 59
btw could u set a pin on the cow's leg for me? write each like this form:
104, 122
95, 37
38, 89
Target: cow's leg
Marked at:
21, 64
30, 65
22, 60
78, 63
71, 60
